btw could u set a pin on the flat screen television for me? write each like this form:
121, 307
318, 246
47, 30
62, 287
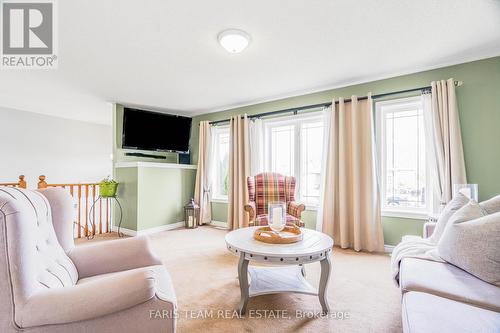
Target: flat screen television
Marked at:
156, 131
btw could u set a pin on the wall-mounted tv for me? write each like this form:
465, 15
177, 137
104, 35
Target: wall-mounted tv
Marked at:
148, 130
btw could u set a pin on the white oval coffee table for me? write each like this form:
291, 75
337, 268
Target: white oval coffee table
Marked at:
288, 275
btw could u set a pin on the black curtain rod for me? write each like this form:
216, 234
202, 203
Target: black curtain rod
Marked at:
313, 106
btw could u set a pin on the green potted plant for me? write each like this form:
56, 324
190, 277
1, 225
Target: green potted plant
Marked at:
108, 187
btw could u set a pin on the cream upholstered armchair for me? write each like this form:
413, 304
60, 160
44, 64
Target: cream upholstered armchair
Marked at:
272, 187
49, 285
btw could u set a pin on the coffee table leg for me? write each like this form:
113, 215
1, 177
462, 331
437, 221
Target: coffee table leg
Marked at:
303, 270
243, 277
323, 283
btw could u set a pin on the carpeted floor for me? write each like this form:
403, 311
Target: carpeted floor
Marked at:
205, 278
361, 294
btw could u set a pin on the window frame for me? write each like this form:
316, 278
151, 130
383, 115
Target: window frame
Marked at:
296, 121
382, 108
216, 196
268, 126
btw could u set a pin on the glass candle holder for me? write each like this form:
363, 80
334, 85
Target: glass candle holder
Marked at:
276, 216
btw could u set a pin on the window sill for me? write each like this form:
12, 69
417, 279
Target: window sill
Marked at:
311, 208
405, 215
218, 200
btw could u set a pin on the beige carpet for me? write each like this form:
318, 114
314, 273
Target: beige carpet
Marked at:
205, 278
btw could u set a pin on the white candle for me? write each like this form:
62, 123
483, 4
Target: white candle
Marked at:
190, 221
277, 216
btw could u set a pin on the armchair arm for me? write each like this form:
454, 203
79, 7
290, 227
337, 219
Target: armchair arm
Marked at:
113, 256
250, 208
295, 209
88, 300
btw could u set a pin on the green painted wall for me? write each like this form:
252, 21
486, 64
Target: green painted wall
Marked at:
153, 197
395, 228
162, 195
219, 211
479, 104
127, 194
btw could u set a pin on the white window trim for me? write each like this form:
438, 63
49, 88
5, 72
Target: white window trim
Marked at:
217, 200
291, 120
417, 213
405, 214
215, 197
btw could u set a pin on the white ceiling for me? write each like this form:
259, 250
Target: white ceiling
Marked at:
164, 54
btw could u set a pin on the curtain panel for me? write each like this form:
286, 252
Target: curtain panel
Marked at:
202, 189
350, 210
449, 166
239, 170
256, 146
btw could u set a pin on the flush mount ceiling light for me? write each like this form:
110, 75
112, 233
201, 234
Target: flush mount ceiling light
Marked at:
234, 40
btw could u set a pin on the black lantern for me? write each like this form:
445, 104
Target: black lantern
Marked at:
191, 215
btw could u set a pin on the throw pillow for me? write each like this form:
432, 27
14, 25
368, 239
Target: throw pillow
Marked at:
455, 204
473, 245
492, 205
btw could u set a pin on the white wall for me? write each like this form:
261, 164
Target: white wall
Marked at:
63, 150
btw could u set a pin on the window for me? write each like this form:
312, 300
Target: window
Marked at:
294, 147
401, 146
311, 141
221, 167
282, 149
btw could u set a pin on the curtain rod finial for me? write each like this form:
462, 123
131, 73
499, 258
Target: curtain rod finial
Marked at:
459, 83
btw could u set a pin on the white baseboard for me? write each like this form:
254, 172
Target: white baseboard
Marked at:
388, 248
219, 224
125, 231
130, 232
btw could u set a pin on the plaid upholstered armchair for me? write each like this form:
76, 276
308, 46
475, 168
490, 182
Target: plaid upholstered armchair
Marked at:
272, 187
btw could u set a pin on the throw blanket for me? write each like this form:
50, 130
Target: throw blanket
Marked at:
412, 247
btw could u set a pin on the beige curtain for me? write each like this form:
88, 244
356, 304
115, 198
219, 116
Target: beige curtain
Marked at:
202, 195
350, 211
239, 170
448, 150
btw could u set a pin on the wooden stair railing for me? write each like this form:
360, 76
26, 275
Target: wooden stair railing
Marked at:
21, 183
89, 192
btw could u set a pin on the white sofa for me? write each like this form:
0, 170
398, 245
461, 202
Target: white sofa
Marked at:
49, 285
440, 297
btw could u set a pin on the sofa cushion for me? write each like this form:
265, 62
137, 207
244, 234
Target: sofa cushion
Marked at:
446, 280
469, 211
492, 205
424, 313
473, 245
455, 204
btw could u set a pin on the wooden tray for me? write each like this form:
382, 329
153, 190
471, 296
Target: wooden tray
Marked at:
290, 234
